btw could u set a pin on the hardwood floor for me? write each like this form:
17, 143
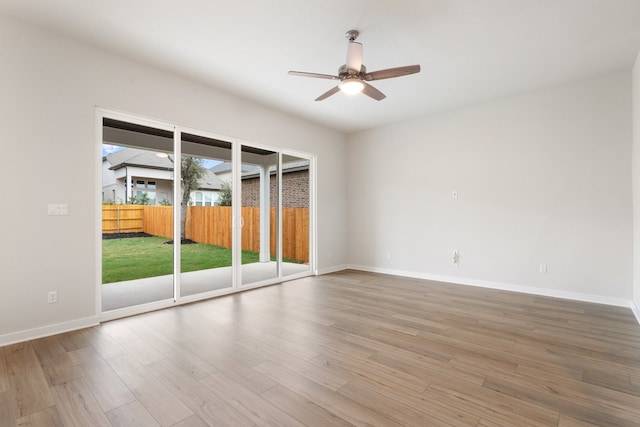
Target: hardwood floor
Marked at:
348, 348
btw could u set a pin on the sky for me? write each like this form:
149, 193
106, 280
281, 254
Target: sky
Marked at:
108, 149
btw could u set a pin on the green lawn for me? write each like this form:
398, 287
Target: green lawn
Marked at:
140, 257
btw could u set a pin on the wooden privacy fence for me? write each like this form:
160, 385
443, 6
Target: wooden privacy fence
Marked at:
122, 219
212, 225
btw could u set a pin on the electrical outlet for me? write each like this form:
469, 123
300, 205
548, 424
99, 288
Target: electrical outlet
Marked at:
52, 297
388, 255
455, 257
57, 209
543, 268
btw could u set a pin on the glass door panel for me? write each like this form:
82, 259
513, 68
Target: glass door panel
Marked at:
137, 216
259, 194
295, 215
206, 215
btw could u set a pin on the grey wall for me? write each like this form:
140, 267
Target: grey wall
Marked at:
543, 178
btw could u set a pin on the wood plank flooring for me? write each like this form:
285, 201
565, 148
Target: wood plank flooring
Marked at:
344, 349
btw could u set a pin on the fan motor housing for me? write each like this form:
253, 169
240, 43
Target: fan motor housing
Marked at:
343, 71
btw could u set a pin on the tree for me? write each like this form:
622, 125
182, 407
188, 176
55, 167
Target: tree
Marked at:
224, 197
192, 172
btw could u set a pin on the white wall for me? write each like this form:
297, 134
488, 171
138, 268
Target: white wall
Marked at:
50, 87
636, 187
543, 178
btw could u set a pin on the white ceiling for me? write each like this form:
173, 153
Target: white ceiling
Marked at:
471, 51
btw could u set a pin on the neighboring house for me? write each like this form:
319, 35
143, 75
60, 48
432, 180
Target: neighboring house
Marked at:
147, 172
223, 170
207, 192
295, 183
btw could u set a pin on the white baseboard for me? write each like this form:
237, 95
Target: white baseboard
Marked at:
331, 269
577, 296
636, 310
45, 331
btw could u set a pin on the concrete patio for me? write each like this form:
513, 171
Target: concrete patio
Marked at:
141, 291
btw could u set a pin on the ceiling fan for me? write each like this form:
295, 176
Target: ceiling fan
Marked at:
353, 75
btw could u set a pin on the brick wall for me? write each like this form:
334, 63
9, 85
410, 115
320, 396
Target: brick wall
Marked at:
295, 190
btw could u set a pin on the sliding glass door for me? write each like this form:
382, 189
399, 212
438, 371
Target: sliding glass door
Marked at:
260, 223
137, 214
206, 243
188, 215
296, 202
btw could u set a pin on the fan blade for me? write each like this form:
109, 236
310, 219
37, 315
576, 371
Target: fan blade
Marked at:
391, 72
373, 92
354, 56
328, 93
315, 75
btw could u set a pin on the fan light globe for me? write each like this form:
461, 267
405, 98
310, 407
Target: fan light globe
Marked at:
351, 86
